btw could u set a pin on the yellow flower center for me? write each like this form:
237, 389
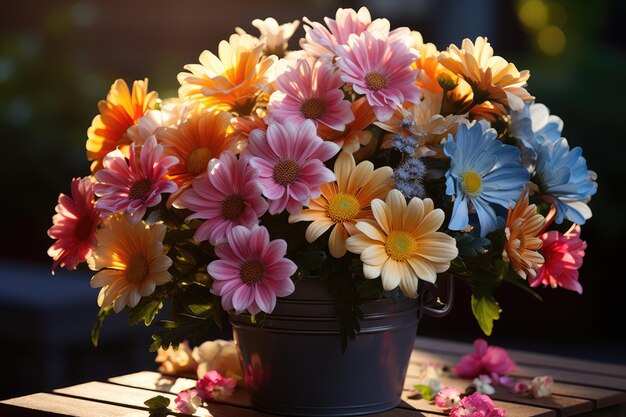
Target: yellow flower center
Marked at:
313, 108
252, 271
139, 189
376, 81
400, 245
286, 172
471, 182
233, 207
343, 207
137, 269
198, 160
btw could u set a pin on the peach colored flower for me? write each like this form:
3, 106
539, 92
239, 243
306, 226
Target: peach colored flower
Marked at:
118, 112
176, 361
355, 134
219, 355
345, 201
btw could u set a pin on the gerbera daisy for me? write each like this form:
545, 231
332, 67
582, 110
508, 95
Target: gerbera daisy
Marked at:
290, 159
381, 70
231, 82
118, 112
313, 93
243, 125
355, 134
74, 226
131, 262
133, 186
228, 196
483, 171
523, 223
204, 136
172, 113
491, 77
252, 271
345, 201
563, 255
403, 244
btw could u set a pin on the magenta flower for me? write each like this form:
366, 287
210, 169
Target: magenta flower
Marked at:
187, 402
134, 185
229, 195
380, 68
311, 93
485, 360
252, 270
563, 256
290, 159
74, 226
477, 405
448, 398
213, 386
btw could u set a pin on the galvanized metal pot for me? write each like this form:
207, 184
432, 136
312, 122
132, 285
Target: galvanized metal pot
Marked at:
293, 364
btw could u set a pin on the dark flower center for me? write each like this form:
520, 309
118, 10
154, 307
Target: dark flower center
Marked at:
313, 108
286, 172
198, 160
252, 271
233, 207
137, 269
376, 81
139, 189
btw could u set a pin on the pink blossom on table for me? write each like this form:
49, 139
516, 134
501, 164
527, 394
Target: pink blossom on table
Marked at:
477, 405
187, 402
311, 92
74, 226
227, 196
134, 185
563, 256
482, 384
540, 386
213, 386
448, 398
290, 158
503, 380
251, 271
485, 360
380, 69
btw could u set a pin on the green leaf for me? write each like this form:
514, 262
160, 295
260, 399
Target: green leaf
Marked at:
425, 391
486, 310
158, 406
184, 328
95, 331
470, 245
146, 310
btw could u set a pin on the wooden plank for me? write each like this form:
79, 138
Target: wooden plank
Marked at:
45, 404
528, 358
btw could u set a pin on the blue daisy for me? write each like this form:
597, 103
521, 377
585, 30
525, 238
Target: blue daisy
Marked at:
483, 171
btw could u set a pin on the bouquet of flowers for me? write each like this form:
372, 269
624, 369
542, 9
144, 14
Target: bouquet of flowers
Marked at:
367, 157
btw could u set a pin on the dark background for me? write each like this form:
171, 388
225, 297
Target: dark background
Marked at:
58, 58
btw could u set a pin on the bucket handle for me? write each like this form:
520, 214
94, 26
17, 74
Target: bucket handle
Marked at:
432, 305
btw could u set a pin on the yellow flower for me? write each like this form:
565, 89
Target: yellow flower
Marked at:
345, 201
231, 82
491, 77
118, 112
403, 244
521, 249
131, 262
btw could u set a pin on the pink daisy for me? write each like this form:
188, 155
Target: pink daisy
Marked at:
134, 185
251, 271
290, 159
228, 196
380, 69
311, 93
74, 226
563, 255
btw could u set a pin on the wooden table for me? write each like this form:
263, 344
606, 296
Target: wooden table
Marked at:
581, 388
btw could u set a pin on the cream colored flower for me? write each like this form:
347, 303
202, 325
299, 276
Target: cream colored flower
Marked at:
275, 36
521, 249
219, 355
492, 78
345, 201
232, 82
176, 361
131, 262
403, 245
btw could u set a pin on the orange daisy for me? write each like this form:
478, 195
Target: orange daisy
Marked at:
430, 70
231, 82
355, 134
118, 112
491, 77
205, 135
521, 249
345, 201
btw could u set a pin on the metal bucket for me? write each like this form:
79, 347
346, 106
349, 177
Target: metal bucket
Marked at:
293, 364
